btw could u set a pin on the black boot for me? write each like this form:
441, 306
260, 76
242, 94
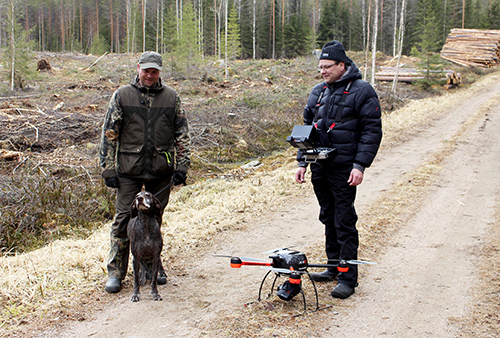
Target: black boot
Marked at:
325, 276
162, 277
342, 291
113, 285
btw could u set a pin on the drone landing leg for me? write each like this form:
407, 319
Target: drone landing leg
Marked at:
260, 289
303, 297
262, 284
317, 301
315, 291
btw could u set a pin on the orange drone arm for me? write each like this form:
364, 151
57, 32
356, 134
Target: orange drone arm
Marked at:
236, 262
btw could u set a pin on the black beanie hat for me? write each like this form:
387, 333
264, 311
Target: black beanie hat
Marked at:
334, 51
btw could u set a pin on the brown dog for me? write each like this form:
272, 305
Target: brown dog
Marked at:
146, 241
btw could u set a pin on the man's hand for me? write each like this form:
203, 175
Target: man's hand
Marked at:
112, 182
179, 178
355, 178
300, 174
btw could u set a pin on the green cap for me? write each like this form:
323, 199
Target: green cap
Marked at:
150, 60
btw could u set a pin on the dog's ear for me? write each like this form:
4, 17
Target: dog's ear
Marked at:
133, 209
157, 207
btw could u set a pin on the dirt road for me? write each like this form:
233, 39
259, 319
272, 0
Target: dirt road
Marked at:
425, 272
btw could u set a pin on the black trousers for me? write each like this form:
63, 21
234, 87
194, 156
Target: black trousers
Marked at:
125, 195
336, 199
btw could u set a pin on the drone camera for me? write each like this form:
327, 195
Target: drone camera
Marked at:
288, 290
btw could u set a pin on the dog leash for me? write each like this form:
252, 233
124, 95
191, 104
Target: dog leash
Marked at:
163, 189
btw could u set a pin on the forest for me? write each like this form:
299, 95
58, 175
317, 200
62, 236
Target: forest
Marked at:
234, 29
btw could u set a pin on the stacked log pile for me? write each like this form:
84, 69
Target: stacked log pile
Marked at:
453, 79
472, 47
404, 74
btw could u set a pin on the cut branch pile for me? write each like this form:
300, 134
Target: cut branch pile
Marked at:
472, 47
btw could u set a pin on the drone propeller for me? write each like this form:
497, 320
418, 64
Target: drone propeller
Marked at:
246, 259
354, 261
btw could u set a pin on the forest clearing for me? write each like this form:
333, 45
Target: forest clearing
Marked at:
412, 212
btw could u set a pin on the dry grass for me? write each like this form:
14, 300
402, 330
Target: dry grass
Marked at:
56, 281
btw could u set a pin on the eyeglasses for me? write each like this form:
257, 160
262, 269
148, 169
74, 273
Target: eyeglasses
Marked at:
326, 67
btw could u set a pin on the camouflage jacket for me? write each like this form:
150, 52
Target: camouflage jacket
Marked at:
145, 133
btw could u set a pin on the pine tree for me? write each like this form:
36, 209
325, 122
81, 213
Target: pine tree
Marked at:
186, 53
428, 43
233, 35
297, 37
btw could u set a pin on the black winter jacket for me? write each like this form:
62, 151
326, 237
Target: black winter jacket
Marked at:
357, 137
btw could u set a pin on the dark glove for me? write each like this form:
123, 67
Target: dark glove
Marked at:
179, 178
112, 182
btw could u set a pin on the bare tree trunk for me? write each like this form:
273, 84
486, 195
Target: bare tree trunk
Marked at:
177, 16
97, 17
81, 23
42, 26
254, 23
27, 19
382, 21
162, 27
157, 25
463, 14
63, 42
133, 19
394, 35
73, 22
111, 24
283, 21
201, 29
367, 41
117, 30
374, 42
12, 46
225, 42
274, 29
400, 44
144, 25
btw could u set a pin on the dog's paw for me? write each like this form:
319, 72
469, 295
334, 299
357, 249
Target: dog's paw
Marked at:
157, 297
135, 298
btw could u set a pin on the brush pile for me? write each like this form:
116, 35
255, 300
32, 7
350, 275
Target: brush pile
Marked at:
472, 47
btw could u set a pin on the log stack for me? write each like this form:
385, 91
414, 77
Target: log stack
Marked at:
472, 47
404, 74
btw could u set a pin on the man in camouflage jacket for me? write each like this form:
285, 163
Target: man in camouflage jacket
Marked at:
145, 144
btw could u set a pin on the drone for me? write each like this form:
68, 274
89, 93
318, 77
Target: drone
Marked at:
293, 264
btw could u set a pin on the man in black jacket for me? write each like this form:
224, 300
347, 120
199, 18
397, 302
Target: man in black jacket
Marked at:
145, 144
345, 113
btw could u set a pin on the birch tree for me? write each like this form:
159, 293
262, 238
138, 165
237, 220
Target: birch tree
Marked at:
400, 44
18, 53
374, 42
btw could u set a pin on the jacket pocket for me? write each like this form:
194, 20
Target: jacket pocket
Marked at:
130, 161
163, 162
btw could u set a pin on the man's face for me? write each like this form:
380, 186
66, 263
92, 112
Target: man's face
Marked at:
330, 70
148, 77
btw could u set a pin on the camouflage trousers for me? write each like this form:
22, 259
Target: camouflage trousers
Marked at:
119, 242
